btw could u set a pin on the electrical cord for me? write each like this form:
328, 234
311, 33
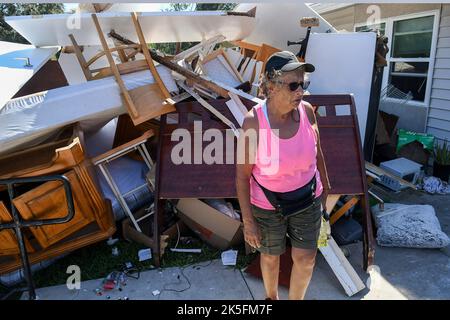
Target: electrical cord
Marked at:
194, 265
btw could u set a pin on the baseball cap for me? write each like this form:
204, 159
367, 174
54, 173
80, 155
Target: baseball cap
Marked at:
286, 61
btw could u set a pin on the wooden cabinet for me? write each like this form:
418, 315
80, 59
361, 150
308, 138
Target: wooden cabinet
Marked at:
8, 242
49, 201
93, 220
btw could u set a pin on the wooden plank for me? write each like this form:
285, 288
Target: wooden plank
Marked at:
249, 70
83, 64
144, 137
129, 102
148, 58
198, 47
236, 72
149, 103
237, 108
343, 270
332, 199
235, 57
347, 206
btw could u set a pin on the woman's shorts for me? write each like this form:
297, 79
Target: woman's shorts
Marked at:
303, 229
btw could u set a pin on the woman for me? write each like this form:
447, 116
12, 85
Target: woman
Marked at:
287, 127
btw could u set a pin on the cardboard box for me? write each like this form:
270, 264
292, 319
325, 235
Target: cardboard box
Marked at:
212, 226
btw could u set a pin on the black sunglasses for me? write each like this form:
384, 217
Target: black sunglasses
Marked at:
293, 86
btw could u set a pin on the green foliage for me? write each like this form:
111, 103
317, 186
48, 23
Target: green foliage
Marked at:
215, 6
442, 153
174, 48
22, 9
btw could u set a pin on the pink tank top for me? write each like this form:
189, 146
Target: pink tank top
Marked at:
288, 167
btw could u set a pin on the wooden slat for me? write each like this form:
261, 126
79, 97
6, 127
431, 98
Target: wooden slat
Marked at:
343, 270
347, 206
80, 58
148, 58
112, 64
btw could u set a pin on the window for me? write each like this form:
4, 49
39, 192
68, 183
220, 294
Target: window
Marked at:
410, 54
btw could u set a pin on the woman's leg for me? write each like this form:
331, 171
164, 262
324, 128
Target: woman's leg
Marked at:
270, 269
302, 269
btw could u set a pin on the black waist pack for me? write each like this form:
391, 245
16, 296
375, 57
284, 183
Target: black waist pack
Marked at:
292, 202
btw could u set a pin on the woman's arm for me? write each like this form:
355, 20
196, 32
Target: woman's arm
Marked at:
320, 159
243, 174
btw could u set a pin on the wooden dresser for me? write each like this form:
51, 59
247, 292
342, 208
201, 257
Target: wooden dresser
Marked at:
93, 220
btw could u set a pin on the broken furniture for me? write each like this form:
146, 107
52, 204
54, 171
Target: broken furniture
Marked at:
104, 159
342, 149
340, 141
145, 102
93, 220
12, 240
177, 181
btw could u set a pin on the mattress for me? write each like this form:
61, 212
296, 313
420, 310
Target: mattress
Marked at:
29, 120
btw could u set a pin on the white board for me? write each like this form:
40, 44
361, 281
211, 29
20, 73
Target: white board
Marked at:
13, 72
54, 29
344, 64
276, 23
29, 120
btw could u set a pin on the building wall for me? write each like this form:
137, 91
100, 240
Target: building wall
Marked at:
346, 18
434, 119
438, 122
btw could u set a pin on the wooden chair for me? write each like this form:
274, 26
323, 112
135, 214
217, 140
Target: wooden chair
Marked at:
143, 103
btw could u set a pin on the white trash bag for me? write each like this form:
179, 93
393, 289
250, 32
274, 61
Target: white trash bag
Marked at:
410, 226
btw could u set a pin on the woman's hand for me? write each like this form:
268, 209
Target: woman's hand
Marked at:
252, 234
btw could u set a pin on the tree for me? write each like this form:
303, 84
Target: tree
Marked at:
215, 6
21, 9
